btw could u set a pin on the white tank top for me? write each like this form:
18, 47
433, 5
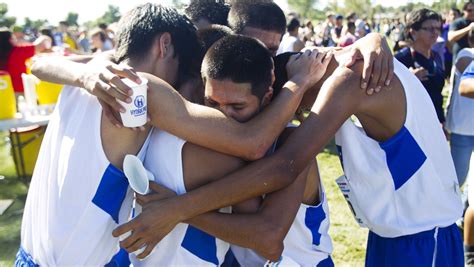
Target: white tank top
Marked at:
460, 114
185, 245
307, 242
76, 196
406, 184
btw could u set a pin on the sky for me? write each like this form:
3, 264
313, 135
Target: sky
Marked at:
56, 10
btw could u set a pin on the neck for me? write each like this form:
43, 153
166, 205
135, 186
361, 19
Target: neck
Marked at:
423, 49
293, 33
140, 65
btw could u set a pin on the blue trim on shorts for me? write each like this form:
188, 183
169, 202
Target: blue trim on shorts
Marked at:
111, 192
23, 259
416, 249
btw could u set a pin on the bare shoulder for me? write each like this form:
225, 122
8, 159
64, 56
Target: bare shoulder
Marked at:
202, 165
462, 63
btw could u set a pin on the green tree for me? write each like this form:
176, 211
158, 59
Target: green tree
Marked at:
303, 7
72, 18
360, 7
5, 21
111, 15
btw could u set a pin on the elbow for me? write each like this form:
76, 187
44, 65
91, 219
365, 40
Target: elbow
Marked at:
271, 242
36, 68
254, 149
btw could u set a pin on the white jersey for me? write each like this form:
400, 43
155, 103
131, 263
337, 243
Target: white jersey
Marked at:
406, 184
460, 114
287, 44
76, 196
185, 245
307, 242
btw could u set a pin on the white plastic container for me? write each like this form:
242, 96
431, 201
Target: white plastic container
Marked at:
135, 112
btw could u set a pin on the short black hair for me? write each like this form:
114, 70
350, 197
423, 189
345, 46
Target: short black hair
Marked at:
207, 37
417, 17
261, 15
139, 27
240, 59
456, 10
466, 5
213, 11
293, 24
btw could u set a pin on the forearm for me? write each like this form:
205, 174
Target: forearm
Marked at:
454, 36
466, 88
210, 128
59, 70
280, 169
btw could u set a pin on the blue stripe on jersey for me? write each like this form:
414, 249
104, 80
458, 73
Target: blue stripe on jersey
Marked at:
200, 244
404, 156
23, 259
111, 191
339, 153
121, 259
313, 218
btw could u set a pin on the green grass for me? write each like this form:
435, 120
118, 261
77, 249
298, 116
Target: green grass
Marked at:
10, 221
348, 239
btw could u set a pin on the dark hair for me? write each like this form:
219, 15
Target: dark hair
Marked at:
138, 28
213, 11
48, 32
351, 25
457, 11
207, 37
240, 59
417, 17
5, 47
466, 4
103, 26
65, 23
293, 24
262, 15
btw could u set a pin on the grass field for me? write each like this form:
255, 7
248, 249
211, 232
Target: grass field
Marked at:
348, 239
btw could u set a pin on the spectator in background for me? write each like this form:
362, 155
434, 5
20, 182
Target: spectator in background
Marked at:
327, 29
264, 21
349, 38
63, 36
459, 29
83, 41
423, 28
204, 13
308, 33
99, 41
460, 122
290, 41
13, 55
452, 15
336, 32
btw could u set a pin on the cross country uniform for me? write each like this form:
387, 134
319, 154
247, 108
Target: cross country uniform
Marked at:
404, 189
185, 245
307, 243
76, 195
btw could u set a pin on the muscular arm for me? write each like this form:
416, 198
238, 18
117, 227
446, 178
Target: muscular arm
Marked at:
198, 124
337, 102
454, 36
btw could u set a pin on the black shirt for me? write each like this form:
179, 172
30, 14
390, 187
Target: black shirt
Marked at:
435, 83
459, 24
